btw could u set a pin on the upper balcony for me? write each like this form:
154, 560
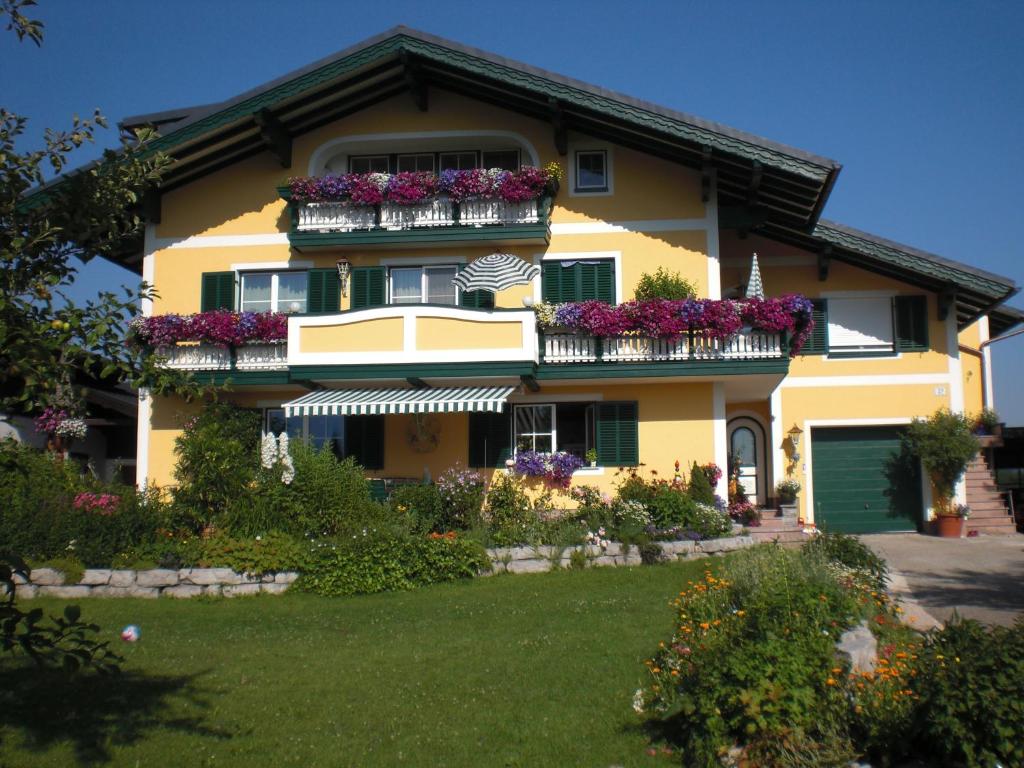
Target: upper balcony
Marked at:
421, 208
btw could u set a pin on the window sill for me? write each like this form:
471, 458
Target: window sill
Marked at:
859, 355
589, 472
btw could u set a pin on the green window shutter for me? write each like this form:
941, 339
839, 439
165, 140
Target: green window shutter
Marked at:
911, 315
364, 440
490, 439
578, 281
476, 299
604, 281
616, 438
368, 287
551, 282
218, 291
324, 291
817, 344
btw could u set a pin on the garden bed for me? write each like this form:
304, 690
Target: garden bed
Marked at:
193, 582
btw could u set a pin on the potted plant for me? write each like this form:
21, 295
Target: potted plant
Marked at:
786, 492
949, 521
944, 443
592, 457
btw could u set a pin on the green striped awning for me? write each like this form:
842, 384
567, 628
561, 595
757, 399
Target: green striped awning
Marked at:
357, 402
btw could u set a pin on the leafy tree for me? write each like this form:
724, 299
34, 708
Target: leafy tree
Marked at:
45, 338
663, 285
945, 443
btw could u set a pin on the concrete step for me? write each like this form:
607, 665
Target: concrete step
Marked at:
993, 504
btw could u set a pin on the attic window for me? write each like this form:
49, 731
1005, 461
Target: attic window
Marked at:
591, 171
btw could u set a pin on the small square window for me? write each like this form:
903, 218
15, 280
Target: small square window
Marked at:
592, 171
424, 162
458, 161
506, 159
368, 164
275, 291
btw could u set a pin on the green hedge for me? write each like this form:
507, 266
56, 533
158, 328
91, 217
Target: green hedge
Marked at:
384, 562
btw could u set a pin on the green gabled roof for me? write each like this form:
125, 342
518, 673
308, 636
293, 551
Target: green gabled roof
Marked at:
790, 183
905, 256
974, 291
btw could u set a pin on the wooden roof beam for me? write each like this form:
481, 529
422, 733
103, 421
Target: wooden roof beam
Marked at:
416, 82
561, 135
275, 136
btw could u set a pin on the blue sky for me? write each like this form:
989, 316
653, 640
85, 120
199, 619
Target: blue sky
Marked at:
922, 102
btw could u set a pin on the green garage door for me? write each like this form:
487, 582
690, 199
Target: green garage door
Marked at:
863, 483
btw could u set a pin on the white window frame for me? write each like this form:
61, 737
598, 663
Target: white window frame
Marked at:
274, 282
387, 161
883, 349
474, 152
574, 189
423, 268
518, 154
554, 427
433, 160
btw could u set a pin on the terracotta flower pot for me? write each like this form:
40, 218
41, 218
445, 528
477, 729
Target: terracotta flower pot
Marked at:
949, 527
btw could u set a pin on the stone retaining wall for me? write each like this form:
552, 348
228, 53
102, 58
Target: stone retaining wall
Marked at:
191, 582
545, 558
185, 582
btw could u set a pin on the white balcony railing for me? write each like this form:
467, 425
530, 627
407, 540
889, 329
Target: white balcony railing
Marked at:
573, 348
440, 212
261, 357
483, 212
208, 357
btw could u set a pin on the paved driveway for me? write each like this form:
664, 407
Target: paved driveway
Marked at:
982, 578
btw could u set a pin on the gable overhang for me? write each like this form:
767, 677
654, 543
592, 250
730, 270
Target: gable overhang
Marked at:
786, 183
968, 291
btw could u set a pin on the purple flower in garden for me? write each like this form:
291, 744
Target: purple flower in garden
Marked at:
531, 464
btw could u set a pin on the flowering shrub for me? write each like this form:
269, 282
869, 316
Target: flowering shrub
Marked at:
220, 326
663, 318
462, 496
99, 503
412, 188
745, 512
752, 656
556, 468
714, 473
598, 538
57, 421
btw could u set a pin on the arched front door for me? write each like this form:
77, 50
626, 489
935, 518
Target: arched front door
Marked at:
746, 445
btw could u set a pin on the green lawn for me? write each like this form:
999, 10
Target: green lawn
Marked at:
506, 671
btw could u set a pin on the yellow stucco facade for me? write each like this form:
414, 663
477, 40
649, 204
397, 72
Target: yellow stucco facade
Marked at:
656, 214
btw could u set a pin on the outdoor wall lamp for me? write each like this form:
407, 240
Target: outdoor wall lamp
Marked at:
795, 433
344, 269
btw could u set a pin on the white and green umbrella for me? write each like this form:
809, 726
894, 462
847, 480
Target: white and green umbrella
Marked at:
755, 288
495, 272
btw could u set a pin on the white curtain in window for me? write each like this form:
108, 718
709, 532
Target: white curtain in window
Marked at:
440, 289
406, 286
862, 324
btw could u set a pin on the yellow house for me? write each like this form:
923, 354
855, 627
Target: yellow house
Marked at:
387, 360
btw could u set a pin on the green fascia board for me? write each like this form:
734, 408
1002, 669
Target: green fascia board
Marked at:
412, 370
928, 265
242, 378
659, 370
478, 63
522, 233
